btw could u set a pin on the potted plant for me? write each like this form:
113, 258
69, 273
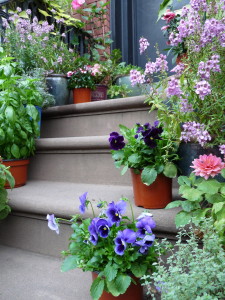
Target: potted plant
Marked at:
116, 249
37, 44
203, 194
5, 178
150, 155
191, 103
193, 269
81, 81
19, 118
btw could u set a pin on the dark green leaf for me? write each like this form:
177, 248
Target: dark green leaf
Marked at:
110, 272
134, 158
182, 218
184, 180
4, 213
170, 170
209, 186
174, 204
138, 269
10, 114
15, 150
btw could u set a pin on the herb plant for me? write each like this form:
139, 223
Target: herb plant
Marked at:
148, 150
194, 268
5, 176
111, 244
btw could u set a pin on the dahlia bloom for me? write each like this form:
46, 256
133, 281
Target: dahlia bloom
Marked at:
207, 165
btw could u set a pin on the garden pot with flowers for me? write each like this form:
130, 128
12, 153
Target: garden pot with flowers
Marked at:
116, 249
81, 81
150, 155
193, 109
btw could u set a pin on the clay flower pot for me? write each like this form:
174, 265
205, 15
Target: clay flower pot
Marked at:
156, 195
18, 169
81, 95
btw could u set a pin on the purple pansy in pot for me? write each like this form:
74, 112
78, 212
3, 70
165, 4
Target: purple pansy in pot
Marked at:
83, 200
116, 141
124, 237
145, 225
115, 211
52, 223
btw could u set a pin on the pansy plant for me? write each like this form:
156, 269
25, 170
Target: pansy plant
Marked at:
115, 246
146, 149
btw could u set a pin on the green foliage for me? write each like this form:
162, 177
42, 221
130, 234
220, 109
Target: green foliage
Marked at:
114, 272
5, 177
202, 198
18, 114
118, 91
191, 271
141, 157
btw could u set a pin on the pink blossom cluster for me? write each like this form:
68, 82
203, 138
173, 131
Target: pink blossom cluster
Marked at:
77, 3
203, 89
173, 88
178, 69
168, 16
143, 44
159, 65
136, 77
185, 106
207, 165
193, 131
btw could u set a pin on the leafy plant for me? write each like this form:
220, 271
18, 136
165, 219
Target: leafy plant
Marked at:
202, 198
18, 115
5, 176
118, 91
110, 244
194, 268
148, 150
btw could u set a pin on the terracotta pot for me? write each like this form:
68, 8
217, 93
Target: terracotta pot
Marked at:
18, 168
81, 95
100, 93
181, 58
156, 195
134, 292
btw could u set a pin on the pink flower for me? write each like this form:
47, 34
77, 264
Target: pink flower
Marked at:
96, 69
77, 3
69, 74
168, 16
165, 27
207, 165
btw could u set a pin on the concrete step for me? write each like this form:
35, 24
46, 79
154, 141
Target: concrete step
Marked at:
26, 275
26, 227
94, 118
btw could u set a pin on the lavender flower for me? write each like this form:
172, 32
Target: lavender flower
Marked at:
195, 131
124, 237
143, 42
93, 231
203, 89
222, 149
52, 223
173, 88
145, 243
136, 77
185, 106
102, 226
116, 141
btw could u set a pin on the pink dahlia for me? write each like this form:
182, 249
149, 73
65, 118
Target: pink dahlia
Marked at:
207, 165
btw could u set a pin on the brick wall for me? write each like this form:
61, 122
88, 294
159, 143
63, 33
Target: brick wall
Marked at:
97, 28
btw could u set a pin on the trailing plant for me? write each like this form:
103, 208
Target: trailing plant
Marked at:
148, 149
194, 268
111, 244
5, 176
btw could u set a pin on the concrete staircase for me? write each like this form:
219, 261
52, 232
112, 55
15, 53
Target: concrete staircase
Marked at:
73, 157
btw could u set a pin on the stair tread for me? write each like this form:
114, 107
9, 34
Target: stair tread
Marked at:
62, 199
25, 273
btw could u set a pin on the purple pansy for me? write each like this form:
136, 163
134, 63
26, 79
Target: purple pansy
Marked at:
102, 226
83, 200
145, 243
151, 135
145, 225
115, 210
124, 237
52, 223
116, 141
93, 231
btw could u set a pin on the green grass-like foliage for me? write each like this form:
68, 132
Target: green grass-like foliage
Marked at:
5, 176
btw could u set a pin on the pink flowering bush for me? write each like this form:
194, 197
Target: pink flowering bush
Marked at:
203, 196
189, 98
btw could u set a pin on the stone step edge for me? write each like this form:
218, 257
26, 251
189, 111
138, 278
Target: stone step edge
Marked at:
111, 105
73, 143
62, 198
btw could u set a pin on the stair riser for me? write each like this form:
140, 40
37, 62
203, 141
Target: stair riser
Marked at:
93, 124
